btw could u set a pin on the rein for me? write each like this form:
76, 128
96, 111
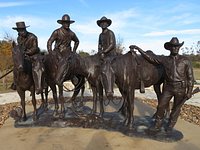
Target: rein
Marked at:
6, 73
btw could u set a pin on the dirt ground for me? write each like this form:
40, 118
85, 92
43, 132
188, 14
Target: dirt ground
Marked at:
71, 138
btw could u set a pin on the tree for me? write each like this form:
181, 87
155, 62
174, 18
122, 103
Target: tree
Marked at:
119, 45
5, 57
83, 54
194, 49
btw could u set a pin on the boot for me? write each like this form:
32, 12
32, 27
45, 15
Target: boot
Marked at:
170, 126
142, 89
157, 126
13, 86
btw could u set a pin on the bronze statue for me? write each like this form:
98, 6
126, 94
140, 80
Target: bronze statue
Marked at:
27, 41
50, 76
63, 37
26, 77
179, 81
89, 67
123, 70
107, 42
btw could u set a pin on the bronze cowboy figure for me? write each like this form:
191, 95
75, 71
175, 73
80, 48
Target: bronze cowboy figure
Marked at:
63, 37
107, 42
178, 84
27, 41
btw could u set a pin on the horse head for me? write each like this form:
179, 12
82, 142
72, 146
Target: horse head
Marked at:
38, 72
18, 57
107, 78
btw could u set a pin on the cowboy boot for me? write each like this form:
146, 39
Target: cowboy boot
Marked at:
170, 126
157, 126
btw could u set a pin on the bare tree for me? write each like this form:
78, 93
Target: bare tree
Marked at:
119, 45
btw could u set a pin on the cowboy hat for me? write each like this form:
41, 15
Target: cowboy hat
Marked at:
20, 25
173, 42
104, 19
65, 18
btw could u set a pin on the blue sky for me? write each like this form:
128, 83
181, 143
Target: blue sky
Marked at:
146, 23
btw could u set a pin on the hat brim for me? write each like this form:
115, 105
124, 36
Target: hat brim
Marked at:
68, 21
100, 21
15, 28
168, 45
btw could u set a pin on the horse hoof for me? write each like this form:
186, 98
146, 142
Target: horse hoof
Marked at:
24, 119
55, 113
62, 116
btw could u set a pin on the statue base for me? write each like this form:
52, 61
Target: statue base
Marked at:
111, 121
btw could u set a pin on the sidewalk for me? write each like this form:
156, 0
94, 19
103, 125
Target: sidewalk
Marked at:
149, 94
48, 138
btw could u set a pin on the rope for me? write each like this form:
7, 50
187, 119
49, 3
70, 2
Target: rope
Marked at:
6, 74
68, 90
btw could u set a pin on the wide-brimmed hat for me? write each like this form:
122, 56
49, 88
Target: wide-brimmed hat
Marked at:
104, 19
20, 25
65, 18
173, 42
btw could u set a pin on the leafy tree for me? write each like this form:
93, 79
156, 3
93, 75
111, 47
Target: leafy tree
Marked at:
6, 62
83, 54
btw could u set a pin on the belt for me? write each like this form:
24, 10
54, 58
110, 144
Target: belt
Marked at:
176, 83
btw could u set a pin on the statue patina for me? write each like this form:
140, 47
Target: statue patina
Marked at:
63, 37
107, 42
178, 84
27, 41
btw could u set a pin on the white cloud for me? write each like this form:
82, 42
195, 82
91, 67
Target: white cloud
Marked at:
87, 28
174, 32
122, 18
13, 4
34, 22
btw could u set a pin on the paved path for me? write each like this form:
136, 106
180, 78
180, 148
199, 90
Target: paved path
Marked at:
149, 93
46, 138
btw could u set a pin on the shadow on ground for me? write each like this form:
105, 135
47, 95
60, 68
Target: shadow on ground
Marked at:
112, 121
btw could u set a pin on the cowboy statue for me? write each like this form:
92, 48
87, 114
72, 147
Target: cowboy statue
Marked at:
107, 42
27, 41
178, 84
63, 37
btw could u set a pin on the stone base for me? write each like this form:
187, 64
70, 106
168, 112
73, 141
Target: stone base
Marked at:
112, 121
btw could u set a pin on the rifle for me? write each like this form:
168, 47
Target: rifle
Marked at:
178, 107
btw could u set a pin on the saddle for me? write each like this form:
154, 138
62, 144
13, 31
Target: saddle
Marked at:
140, 76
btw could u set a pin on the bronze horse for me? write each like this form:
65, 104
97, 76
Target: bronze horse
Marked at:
23, 76
51, 69
87, 67
126, 71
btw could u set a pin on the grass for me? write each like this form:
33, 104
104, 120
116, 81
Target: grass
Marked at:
196, 73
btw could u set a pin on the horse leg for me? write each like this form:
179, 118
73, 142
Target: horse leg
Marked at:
46, 98
130, 107
35, 114
94, 91
158, 94
22, 97
78, 87
44, 104
53, 88
62, 101
124, 105
100, 90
